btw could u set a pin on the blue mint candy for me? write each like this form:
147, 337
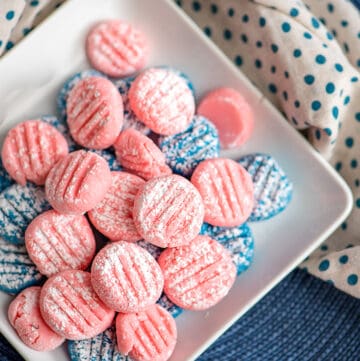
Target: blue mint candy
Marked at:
238, 240
19, 205
130, 119
102, 347
69, 84
17, 271
182, 75
5, 179
272, 188
184, 151
109, 156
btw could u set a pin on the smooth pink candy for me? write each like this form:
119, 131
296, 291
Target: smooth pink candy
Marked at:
31, 149
24, 315
138, 154
168, 211
162, 101
227, 191
126, 277
113, 215
57, 242
149, 335
70, 306
231, 114
117, 48
197, 276
94, 111
78, 182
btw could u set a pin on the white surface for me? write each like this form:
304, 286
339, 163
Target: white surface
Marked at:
31, 74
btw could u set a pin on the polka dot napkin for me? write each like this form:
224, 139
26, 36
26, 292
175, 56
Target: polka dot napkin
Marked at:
305, 57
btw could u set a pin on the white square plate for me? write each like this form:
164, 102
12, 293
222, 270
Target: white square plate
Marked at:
31, 74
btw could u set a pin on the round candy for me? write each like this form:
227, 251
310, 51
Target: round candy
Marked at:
149, 335
162, 101
126, 277
116, 48
227, 191
168, 211
31, 149
182, 75
230, 113
138, 154
24, 315
184, 151
78, 182
272, 188
198, 275
70, 306
113, 215
94, 112
58, 242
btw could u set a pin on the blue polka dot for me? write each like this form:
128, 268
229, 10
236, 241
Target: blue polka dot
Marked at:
244, 38
245, 18
339, 67
10, 15
262, 22
329, 36
338, 166
259, 44
324, 265
258, 63
307, 35
315, 23
320, 59
324, 247
353, 163
196, 6
286, 27
309, 79
294, 12
285, 95
273, 69
328, 131
274, 48
330, 88
26, 31
349, 245
238, 60
207, 31
231, 12
214, 8
357, 182
358, 63
343, 259
178, 2
346, 47
330, 282
349, 142
352, 279
272, 88
357, 203
9, 45
294, 120
347, 100
344, 23
344, 226
34, 3
335, 112
330, 8
317, 134
227, 34
316, 105
334, 32
297, 104
354, 79
357, 116
0, 43
323, 20
297, 53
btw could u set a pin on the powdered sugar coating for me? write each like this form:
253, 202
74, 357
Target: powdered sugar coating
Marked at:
168, 211
126, 277
138, 154
116, 48
113, 215
184, 151
57, 242
17, 271
182, 75
147, 335
31, 149
130, 119
272, 188
24, 315
162, 101
227, 191
19, 205
94, 112
198, 275
78, 182
70, 306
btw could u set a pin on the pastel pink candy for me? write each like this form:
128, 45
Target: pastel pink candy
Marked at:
231, 114
71, 308
168, 211
138, 154
78, 182
31, 149
24, 315
94, 111
198, 275
57, 242
149, 335
227, 191
117, 48
113, 215
126, 277
162, 101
